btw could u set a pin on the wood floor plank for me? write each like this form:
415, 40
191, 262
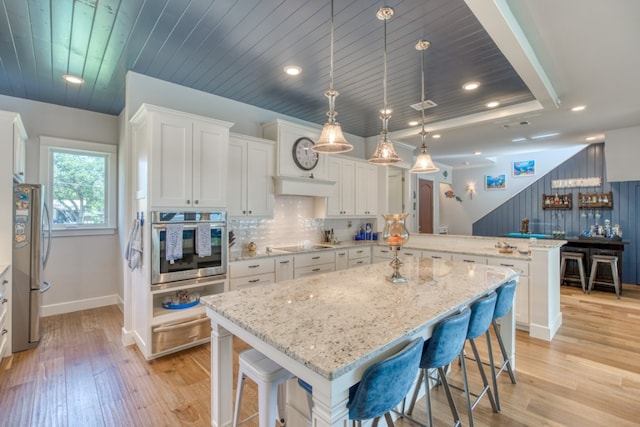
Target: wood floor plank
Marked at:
81, 375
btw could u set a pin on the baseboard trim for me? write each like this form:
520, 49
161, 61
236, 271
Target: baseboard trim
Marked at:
85, 304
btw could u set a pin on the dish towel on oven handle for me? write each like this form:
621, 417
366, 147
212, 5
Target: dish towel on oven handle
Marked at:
173, 242
203, 239
133, 251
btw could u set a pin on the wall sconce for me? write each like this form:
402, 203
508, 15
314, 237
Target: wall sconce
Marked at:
471, 188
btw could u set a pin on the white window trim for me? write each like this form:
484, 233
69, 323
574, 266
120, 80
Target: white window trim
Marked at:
46, 177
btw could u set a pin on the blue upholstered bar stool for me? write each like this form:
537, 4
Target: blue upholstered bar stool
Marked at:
446, 343
384, 385
504, 303
481, 316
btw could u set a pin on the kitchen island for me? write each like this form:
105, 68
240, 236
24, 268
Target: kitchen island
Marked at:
327, 329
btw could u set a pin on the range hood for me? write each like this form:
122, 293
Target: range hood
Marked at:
302, 186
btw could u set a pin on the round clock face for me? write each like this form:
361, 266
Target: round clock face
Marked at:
303, 156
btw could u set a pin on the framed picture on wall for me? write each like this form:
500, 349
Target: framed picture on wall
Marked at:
525, 168
495, 182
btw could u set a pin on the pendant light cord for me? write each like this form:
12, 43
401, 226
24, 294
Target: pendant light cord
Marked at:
423, 133
331, 54
384, 81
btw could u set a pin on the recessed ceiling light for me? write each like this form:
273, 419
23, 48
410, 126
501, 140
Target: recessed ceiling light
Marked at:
471, 85
413, 123
435, 136
545, 135
477, 153
70, 78
518, 139
292, 70
492, 104
579, 108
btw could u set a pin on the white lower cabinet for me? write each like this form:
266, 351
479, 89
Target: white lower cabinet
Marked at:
469, 258
359, 256
284, 268
436, 255
312, 263
381, 253
252, 272
342, 259
4, 312
522, 289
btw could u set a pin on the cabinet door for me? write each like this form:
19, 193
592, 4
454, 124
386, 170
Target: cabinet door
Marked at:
284, 268
366, 189
342, 259
334, 202
172, 155
347, 184
210, 148
522, 301
237, 181
259, 180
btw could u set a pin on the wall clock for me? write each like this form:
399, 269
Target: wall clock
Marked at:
303, 156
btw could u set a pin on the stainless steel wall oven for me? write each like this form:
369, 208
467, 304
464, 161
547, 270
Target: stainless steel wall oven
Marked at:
211, 261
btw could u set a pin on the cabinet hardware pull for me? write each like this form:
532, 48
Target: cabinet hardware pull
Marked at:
468, 260
315, 257
254, 281
359, 262
249, 212
254, 266
436, 257
195, 202
179, 325
4, 331
360, 252
4, 300
5, 281
316, 269
385, 252
188, 201
244, 212
284, 262
507, 265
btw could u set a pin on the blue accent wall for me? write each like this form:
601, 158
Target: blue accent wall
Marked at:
588, 163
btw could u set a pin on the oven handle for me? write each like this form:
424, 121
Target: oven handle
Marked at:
179, 325
191, 226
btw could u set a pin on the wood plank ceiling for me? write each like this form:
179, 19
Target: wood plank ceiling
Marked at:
238, 48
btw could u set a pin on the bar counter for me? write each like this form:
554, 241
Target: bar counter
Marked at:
327, 329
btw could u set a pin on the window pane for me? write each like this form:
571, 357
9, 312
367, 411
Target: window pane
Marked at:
78, 188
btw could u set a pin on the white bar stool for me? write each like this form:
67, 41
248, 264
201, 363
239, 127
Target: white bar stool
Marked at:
577, 257
612, 261
268, 376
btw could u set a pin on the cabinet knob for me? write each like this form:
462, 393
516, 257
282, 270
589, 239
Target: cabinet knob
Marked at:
4, 300
5, 281
244, 212
250, 212
195, 202
188, 201
4, 331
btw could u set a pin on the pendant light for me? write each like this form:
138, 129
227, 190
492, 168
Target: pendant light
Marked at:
424, 164
385, 153
331, 140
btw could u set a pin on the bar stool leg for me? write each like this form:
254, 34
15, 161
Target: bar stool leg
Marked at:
616, 279
592, 276
563, 269
582, 276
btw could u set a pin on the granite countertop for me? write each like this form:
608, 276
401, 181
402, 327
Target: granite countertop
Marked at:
348, 317
478, 246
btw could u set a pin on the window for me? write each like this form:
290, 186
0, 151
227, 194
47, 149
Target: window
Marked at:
80, 185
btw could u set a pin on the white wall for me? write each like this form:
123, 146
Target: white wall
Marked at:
621, 152
83, 271
460, 216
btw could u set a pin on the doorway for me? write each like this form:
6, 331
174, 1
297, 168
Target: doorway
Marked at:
396, 190
425, 206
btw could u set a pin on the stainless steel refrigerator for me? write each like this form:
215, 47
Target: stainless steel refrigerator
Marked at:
31, 245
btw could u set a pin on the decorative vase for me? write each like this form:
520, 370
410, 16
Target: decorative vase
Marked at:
395, 234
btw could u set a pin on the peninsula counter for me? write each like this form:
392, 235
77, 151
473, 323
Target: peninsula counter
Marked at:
327, 329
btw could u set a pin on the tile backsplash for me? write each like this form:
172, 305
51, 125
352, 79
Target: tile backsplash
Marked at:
293, 223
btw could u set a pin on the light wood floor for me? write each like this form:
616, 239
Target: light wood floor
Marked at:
81, 375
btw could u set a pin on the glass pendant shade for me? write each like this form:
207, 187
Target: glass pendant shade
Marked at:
424, 164
331, 140
384, 154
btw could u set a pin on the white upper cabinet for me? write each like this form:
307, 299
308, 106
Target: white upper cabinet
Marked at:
366, 189
12, 127
187, 157
342, 201
250, 183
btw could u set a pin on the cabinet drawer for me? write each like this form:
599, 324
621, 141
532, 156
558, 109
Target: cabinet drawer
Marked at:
382, 252
518, 265
251, 267
181, 333
314, 269
359, 262
410, 253
245, 282
469, 258
436, 255
362, 252
314, 258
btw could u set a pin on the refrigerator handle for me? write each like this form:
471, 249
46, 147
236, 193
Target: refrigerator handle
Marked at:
46, 255
45, 287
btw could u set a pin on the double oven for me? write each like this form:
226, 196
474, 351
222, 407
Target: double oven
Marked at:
202, 267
